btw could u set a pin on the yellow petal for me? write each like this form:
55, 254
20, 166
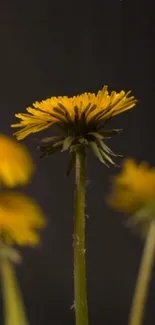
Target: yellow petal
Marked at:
20, 217
16, 166
133, 188
42, 113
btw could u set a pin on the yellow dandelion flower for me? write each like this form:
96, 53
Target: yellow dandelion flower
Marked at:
133, 188
81, 119
16, 166
133, 192
20, 218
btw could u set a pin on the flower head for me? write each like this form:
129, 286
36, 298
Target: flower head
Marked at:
20, 218
16, 167
134, 187
81, 119
133, 192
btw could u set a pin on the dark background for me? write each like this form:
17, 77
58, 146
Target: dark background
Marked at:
64, 48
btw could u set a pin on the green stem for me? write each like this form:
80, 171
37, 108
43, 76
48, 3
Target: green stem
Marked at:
14, 312
144, 276
80, 291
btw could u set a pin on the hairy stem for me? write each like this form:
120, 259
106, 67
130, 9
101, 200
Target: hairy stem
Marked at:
14, 313
80, 291
144, 276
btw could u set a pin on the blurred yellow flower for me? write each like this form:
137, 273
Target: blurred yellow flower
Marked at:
133, 188
76, 115
20, 218
16, 166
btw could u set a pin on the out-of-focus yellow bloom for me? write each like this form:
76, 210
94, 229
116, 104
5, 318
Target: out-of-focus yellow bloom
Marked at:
16, 166
20, 218
133, 192
76, 115
133, 188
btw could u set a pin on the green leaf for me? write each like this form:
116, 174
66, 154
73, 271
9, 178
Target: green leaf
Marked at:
143, 215
10, 253
83, 141
71, 162
67, 143
96, 135
109, 133
96, 150
107, 157
106, 148
50, 150
50, 140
